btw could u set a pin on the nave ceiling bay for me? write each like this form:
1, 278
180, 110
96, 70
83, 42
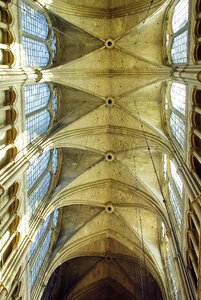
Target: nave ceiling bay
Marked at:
111, 106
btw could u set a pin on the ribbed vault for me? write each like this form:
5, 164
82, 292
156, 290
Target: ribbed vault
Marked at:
112, 206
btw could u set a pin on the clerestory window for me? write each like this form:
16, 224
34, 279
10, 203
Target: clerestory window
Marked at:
38, 39
179, 47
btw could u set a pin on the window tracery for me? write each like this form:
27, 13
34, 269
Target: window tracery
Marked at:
174, 186
172, 275
175, 111
37, 124
179, 48
37, 168
34, 22
175, 205
41, 107
178, 97
178, 128
176, 178
39, 41
41, 245
176, 38
180, 33
39, 178
36, 97
180, 16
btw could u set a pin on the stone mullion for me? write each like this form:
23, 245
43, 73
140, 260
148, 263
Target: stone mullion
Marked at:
36, 183
38, 249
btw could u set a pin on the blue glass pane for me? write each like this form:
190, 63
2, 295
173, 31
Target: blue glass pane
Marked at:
36, 96
36, 53
54, 44
33, 22
54, 104
41, 257
178, 128
39, 193
38, 237
179, 48
37, 124
55, 160
175, 205
55, 217
37, 168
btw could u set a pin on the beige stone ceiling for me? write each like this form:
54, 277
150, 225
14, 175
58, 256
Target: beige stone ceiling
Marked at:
131, 74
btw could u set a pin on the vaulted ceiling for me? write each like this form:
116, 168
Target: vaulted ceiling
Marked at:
110, 70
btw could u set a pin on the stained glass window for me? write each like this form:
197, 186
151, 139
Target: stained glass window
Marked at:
55, 160
54, 104
179, 48
178, 96
34, 22
180, 15
178, 128
172, 276
40, 258
54, 43
38, 237
175, 206
176, 178
36, 53
36, 97
37, 168
37, 124
39, 193
55, 217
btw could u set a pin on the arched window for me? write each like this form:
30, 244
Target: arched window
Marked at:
39, 42
180, 32
37, 169
178, 97
172, 275
55, 217
33, 21
36, 53
41, 102
37, 96
37, 124
180, 15
178, 128
175, 205
39, 193
176, 178
39, 178
175, 110
41, 245
55, 160
40, 258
